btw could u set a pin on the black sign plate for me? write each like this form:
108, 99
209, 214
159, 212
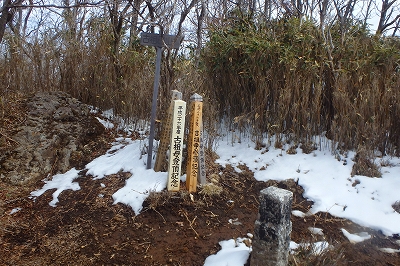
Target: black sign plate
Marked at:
152, 39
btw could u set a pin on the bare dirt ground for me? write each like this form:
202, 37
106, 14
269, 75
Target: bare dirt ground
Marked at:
87, 228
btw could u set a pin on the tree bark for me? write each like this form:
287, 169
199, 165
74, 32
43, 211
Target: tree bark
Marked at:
384, 22
3, 17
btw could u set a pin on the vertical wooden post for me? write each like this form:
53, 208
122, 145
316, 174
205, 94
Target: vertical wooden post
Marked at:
202, 160
166, 134
192, 168
176, 145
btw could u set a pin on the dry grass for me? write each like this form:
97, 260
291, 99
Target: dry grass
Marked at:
12, 115
309, 254
158, 199
364, 164
86, 69
396, 206
283, 81
210, 189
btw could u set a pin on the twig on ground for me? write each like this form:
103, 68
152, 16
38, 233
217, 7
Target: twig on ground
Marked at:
191, 223
7, 137
13, 200
159, 214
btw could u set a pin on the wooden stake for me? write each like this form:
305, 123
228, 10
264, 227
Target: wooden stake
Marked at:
202, 160
166, 134
192, 168
176, 145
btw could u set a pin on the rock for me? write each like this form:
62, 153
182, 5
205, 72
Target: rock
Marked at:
56, 126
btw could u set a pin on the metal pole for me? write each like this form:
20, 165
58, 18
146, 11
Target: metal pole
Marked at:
154, 107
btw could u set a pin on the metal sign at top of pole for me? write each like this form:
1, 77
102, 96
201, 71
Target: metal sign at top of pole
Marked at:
159, 41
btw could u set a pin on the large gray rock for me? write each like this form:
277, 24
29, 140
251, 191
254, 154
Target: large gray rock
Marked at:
56, 126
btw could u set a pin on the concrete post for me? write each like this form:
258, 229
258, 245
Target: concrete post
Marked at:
273, 228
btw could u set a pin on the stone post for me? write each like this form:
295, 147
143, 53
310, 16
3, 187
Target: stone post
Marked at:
273, 228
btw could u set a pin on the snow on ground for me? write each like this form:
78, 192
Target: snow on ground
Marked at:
107, 124
325, 179
327, 182
390, 250
316, 248
316, 231
356, 238
233, 253
60, 182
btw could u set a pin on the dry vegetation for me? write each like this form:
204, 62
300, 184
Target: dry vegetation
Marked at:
288, 79
285, 78
173, 228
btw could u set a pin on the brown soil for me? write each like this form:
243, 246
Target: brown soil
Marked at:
89, 229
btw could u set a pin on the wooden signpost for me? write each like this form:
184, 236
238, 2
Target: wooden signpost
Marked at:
159, 41
176, 145
166, 134
172, 136
202, 160
192, 169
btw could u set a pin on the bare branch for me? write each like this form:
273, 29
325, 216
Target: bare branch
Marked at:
184, 14
384, 20
83, 4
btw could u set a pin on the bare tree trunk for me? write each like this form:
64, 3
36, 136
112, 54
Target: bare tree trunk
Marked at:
200, 20
323, 10
367, 13
267, 10
297, 5
384, 20
396, 28
4, 16
344, 13
133, 29
117, 20
184, 14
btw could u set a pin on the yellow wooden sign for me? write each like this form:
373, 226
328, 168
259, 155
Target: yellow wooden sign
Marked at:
192, 169
176, 145
166, 134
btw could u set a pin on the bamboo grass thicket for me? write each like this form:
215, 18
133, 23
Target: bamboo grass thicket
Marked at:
290, 82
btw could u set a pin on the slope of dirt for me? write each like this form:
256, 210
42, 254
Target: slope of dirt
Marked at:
87, 228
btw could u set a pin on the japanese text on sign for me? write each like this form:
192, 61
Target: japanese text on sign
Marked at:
194, 143
176, 145
166, 134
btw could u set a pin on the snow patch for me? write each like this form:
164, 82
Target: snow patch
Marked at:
59, 182
233, 253
357, 237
